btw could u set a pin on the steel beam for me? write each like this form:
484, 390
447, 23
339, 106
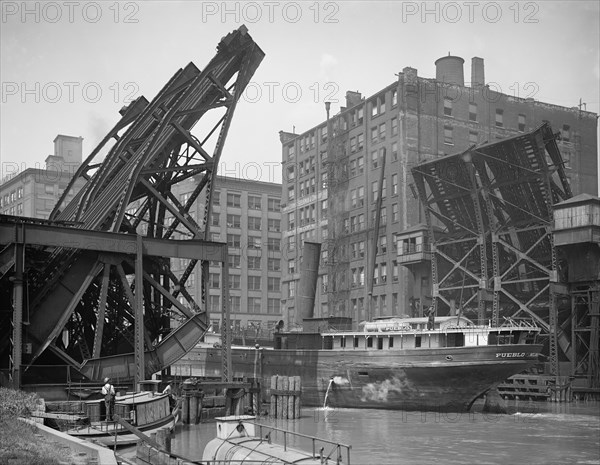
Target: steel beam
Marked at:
101, 241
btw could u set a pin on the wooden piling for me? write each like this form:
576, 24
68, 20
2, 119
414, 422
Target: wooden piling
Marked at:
193, 409
297, 397
185, 410
285, 397
273, 404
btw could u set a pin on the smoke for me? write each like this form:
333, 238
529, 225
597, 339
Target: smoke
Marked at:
340, 381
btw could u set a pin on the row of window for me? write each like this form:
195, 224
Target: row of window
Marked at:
254, 223
254, 201
254, 242
253, 263
254, 305
15, 195
254, 282
14, 210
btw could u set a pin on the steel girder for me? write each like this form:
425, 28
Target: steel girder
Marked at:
494, 205
127, 190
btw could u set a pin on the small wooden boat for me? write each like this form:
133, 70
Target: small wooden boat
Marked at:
147, 411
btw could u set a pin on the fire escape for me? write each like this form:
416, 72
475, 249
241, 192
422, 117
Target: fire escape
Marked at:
338, 291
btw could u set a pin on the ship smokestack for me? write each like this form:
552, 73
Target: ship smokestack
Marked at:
307, 285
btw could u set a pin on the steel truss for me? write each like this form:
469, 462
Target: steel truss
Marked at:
85, 304
494, 203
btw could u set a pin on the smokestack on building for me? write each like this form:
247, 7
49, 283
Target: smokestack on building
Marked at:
307, 285
477, 72
450, 70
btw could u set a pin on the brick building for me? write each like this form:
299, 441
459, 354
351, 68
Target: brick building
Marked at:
333, 174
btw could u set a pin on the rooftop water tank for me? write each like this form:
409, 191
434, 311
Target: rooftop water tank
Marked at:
449, 69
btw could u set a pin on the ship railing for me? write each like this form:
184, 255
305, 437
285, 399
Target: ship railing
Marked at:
335, 447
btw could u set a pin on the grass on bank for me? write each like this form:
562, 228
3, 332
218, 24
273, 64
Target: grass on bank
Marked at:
19, 442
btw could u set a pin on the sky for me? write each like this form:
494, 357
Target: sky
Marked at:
68, 67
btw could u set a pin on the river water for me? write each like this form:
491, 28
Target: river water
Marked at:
531, 433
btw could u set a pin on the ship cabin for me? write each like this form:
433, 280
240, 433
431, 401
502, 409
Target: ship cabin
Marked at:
439, 332
394, 333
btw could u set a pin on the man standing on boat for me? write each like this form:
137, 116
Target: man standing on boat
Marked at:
108, 391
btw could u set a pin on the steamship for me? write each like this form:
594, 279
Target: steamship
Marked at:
440, 364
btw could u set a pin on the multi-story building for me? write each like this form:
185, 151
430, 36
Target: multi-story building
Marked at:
246, 215
334, 174
33, 192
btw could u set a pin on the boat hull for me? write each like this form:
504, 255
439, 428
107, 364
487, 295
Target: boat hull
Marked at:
441, 379
106, 434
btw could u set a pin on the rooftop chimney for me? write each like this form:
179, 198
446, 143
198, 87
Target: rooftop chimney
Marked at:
352, 98
477, 72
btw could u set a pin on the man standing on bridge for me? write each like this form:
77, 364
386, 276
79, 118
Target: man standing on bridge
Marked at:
108, 391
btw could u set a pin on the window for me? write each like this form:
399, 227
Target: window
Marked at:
383, 215
233, 221
395, 271
254, 242
374, 133
254, 283
394, 97
394, 124
499, 118
291, 193
234, 281
273, 306
374, 109
324, 134
234, 261
291, 266
291, 151
382, 131
473, 137
360, 141
254, 202
254, 223
291, 173
273, 285
216, 198
273, 244
472, 112
360, 117
49, 188
324, 282
383, 274
273, 205
352, 144
448, 137
291, 220
382, 248
360, 164
291, 243
236, 303
395, 184
447, 107
521, 123
213, 303
394, 151
274, 264
374, 159
565, 133
19, 209
395, 216
19, 193
234, 200
292, 289
213, 280
233, 241
324, 207
215, 220
254, 263
254, 304
274, 225
375, 190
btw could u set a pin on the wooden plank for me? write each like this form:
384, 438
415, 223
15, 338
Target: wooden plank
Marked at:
58, 416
